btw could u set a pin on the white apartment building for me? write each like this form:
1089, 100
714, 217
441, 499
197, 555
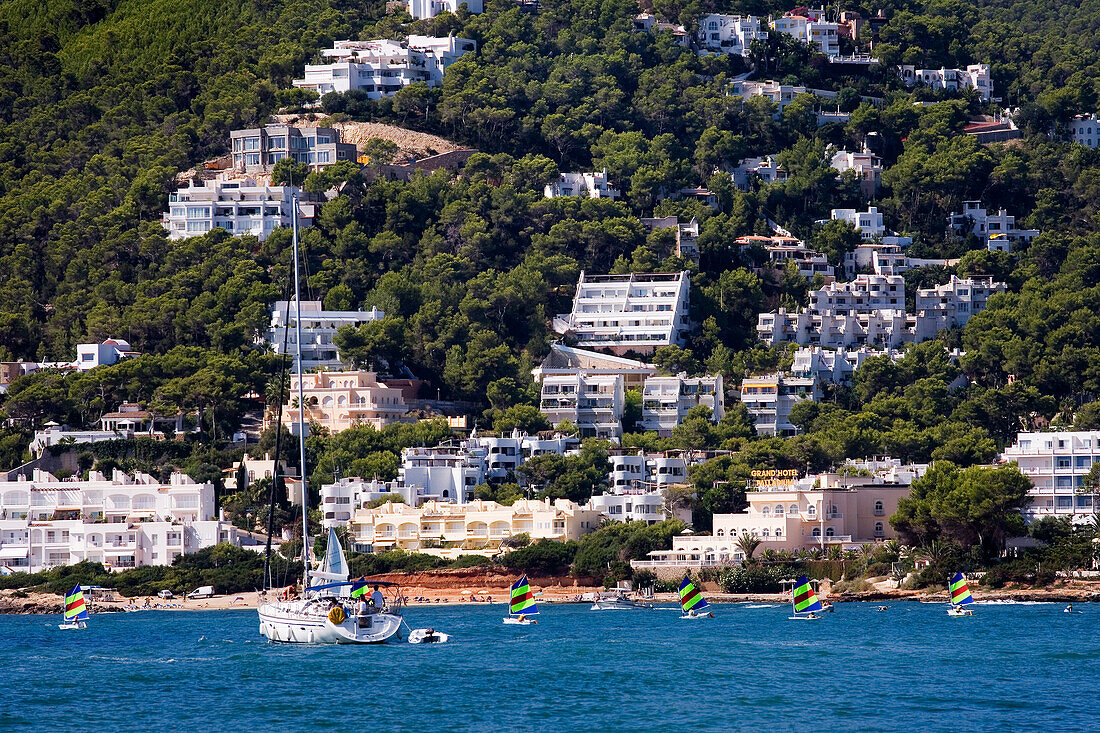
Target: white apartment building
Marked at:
998, 231
818, 33
420, 9
240, 207
258, 149
667, 400
319, 327
833, 365
568, 361
1085, 129
868, 223
341, 400
342, 498
950, 305
792, 514
764, 170
591, 185
477, 527
769, 400
870, 310
974, 76
122, 522
1055, 463
867, 310
687, 235
592, 402
647, 22
446, 473
111, 351
629, 313
779, 94
781, 250
729, 34
637, 472
382, 68
865, 165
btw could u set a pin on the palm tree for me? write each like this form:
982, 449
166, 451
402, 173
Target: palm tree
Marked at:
769, 556
747, 544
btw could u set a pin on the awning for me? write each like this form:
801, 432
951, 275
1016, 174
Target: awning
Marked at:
13, 553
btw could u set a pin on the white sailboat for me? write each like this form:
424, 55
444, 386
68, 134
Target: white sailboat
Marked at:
76, 611
325, 611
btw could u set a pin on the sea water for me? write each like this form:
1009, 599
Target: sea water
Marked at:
1009, 667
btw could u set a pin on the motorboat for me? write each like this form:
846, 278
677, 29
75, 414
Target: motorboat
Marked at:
428, 636
618, 600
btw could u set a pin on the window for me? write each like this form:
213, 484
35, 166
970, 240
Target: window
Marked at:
829, 532
879, 509
879, 529
816, 532
1064, 502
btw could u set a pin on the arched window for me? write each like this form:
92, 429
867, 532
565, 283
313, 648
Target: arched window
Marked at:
766, 533
816, 532
811, 510
879, 508
829, 532
327, 402
766, 511
793, 509
342, 401
720, 533
778, 532
879, 529
779, 510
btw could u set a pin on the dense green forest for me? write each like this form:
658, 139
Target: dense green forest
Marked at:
103, 103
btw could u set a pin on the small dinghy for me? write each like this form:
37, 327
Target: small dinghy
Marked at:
428, 636
522, 604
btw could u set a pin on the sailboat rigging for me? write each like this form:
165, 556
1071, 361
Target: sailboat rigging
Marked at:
324, 612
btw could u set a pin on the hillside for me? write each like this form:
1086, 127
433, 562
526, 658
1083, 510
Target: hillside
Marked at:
102, 104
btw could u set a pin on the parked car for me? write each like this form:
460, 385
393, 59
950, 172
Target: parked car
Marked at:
166, 594
205, 591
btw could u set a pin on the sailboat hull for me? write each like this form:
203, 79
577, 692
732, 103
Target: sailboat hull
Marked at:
708, 614
511, 621
72, 626
307, 622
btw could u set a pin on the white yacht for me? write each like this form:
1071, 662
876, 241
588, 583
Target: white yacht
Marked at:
326, 613
617, 600
325, 610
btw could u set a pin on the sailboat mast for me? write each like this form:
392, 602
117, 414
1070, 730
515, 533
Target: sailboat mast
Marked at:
301, 389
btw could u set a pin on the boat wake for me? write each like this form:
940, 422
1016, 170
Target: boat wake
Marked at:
761, 605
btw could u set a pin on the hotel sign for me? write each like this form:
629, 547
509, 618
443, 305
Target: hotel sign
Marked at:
775, 477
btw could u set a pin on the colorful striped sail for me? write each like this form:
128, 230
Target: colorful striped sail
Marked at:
359, 588
75, 608
960, 591
803, 596
523, 600
690, 597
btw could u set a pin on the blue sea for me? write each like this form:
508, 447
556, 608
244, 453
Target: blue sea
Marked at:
1011, 667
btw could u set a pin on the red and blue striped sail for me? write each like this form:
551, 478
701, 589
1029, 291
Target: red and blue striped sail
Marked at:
690, 597
75, 608
803, 596
960, 591
523, 599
